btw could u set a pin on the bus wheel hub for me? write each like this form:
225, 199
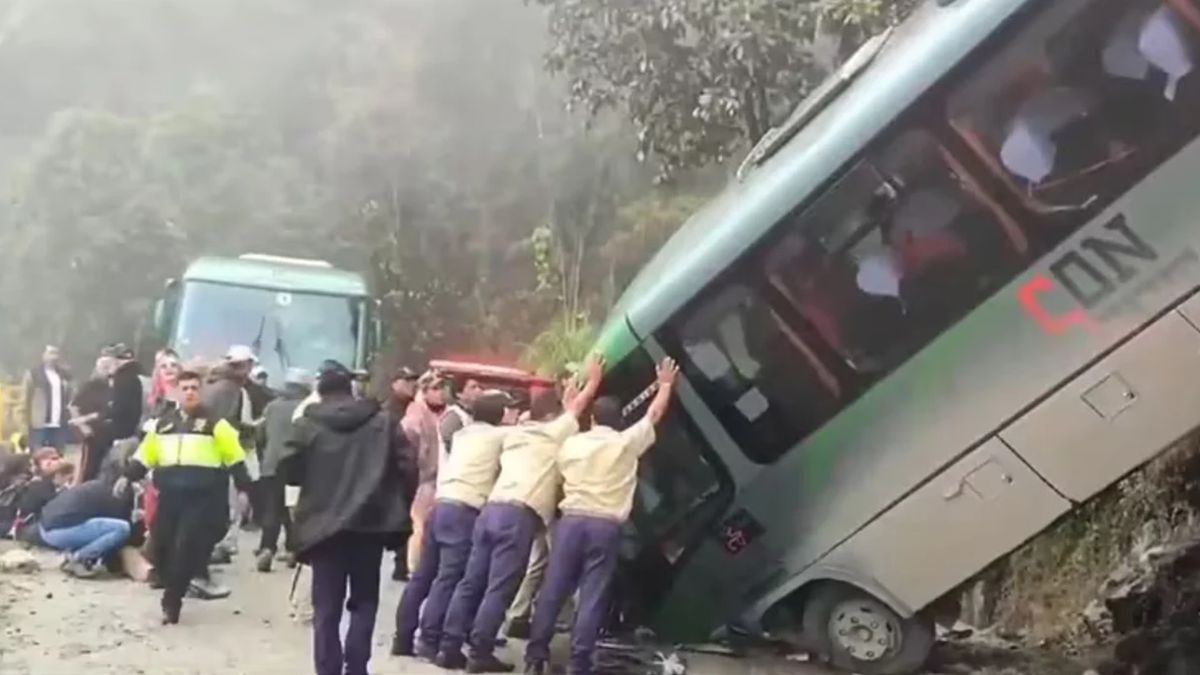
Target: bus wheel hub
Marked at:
864, 630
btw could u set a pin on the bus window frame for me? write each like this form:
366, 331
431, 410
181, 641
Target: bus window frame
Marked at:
1037, 216
750, 268
718, 500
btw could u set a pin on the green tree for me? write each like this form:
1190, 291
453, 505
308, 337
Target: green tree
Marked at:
700, 79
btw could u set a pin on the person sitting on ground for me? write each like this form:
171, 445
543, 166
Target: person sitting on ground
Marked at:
38, 492
15, 473
88, 523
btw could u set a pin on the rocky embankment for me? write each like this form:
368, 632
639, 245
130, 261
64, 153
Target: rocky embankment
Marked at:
1113, 589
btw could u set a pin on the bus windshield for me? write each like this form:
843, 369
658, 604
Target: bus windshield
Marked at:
287, 330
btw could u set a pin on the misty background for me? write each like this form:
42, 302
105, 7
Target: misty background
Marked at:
499, 168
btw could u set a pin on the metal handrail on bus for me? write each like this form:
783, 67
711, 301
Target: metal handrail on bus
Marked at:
815, 102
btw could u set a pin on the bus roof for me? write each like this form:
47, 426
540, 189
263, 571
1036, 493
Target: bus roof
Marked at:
920, 52
277, 276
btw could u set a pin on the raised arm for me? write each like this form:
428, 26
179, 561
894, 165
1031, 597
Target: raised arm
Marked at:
668, 371
577, 404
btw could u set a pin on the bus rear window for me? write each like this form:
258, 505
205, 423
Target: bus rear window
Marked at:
1082, 101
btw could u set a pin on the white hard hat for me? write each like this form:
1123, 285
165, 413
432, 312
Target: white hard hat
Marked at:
241, 354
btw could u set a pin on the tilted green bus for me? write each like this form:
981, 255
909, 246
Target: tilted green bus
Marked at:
292, 312
953, 297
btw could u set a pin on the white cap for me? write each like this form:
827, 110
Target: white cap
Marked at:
240, 354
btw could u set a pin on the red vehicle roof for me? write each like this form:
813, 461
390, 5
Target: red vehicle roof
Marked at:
496, 374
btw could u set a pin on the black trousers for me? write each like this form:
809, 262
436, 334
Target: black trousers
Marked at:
95, 451
275, 516
189, 524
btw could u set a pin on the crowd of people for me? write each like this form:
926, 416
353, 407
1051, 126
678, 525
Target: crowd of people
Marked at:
498, 513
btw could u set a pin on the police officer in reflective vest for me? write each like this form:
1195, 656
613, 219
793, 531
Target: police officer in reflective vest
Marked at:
192, 455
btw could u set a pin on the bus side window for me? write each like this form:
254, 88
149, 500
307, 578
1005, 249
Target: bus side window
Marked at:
898, 250
754, 371
1083, 101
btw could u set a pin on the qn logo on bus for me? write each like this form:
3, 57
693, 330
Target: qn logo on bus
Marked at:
1090, 273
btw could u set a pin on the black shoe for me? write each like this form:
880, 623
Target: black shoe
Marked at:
427, 652
536, 668
170, 613
489, 664
518, 629
264, 560
402, 648
450, 661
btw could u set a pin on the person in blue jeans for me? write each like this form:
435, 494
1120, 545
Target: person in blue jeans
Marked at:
88, 523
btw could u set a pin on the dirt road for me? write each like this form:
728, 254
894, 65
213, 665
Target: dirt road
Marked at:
51, 624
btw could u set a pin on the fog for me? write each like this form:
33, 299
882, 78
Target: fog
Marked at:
421, 141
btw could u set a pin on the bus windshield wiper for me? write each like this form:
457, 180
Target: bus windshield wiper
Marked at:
281, 348
256, 344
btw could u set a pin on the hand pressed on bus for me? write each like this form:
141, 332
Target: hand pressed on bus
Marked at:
594, 368
667, 372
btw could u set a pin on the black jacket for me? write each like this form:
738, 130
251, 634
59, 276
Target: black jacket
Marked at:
77, 505
350, 470
125, 412
36, 495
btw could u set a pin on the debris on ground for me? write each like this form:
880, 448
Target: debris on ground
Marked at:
18, 561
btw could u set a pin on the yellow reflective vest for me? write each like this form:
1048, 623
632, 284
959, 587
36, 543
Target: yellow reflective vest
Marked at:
188, 451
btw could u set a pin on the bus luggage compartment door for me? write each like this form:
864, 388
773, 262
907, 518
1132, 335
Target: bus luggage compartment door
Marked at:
1116, 415
980, 508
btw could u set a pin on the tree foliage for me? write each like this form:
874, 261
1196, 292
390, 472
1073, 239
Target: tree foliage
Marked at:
423, 142
698, 79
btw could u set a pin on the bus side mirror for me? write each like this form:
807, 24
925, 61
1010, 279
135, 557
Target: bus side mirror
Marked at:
159, 320
377, 325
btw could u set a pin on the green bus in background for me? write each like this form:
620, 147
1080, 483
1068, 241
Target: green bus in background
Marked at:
950, 299
294, 313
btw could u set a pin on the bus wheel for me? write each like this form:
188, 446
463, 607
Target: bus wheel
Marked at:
858, 633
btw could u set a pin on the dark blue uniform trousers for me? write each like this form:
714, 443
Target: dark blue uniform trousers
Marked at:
443, 562
584, 558
500, 549
353, 558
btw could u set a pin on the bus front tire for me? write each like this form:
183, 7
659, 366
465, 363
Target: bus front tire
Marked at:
857, 633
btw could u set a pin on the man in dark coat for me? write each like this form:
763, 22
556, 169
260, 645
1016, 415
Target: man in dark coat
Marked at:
227, 395
125, 412
354, 477
273, 436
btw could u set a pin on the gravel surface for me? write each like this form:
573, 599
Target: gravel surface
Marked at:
51, 624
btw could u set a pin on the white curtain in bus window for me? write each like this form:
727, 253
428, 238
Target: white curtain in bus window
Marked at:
1161, 41
752, 404
1029, 150
708, 359
878, 274
1083, 100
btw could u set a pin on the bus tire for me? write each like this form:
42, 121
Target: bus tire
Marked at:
855, 632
